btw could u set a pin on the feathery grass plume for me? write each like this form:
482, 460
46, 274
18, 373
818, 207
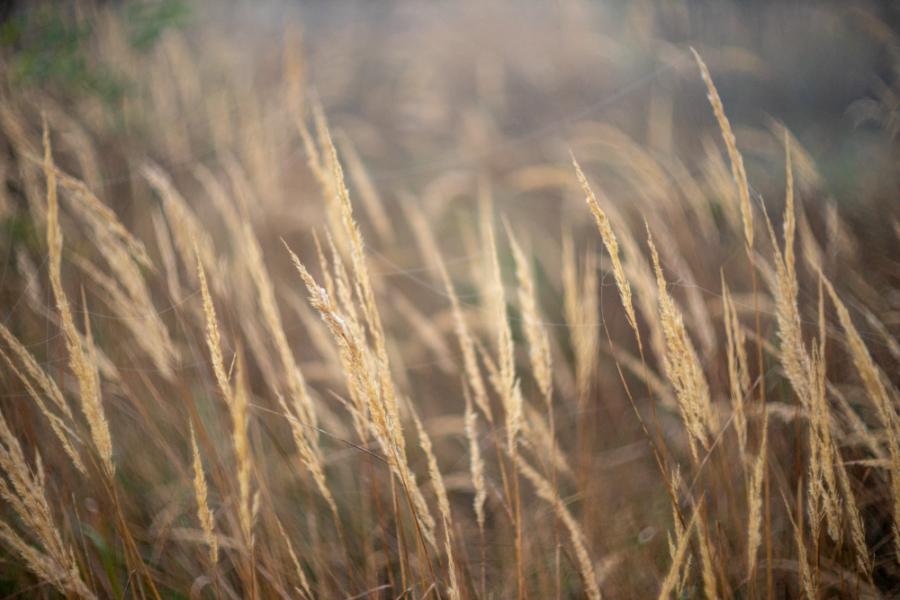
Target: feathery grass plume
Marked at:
363, 283
612, 247
201, 493
476, 464
85, 372
580, 308
546, 492
425, 240
24, 489
857, 529
305, 590
679, 557
675, 484
309, 457
532, 323
695, 308
738, 369
873, 382
237, 402
708, 574
364, 384
755, 501
508, 384
437, 482
737, 161
241, 442
794, 356
31, 375
823, 492
213, 339
807, 580
683, 366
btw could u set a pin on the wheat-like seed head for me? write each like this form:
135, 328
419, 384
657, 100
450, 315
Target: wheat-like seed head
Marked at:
738, 369
755, 500
476, 463
683, 366
533, 325
85, 371
678, 560
437, 482
24, 489
737, 161
201, 494
612, 247
708, 574
305, 589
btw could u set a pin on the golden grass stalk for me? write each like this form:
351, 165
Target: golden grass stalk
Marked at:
683, 365
873, 382
857, 529
510, 397
533, 323
612, 247
24, 489
305, 590
213, 338
271, 317
678, 560
85, 372
755, 501
806, 576
794, 356
476, 463
440, 491
201, 494
823, 491
363, 285
241, 442
707, 571
684, 565
237, 402
737, 161
309, 457
364, 384
580, 308
507, 384
579, 543
31, 375
738, 368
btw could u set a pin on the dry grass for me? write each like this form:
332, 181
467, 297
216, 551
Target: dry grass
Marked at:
428, 410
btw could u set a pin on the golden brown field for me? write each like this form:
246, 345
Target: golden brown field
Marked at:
454, 300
